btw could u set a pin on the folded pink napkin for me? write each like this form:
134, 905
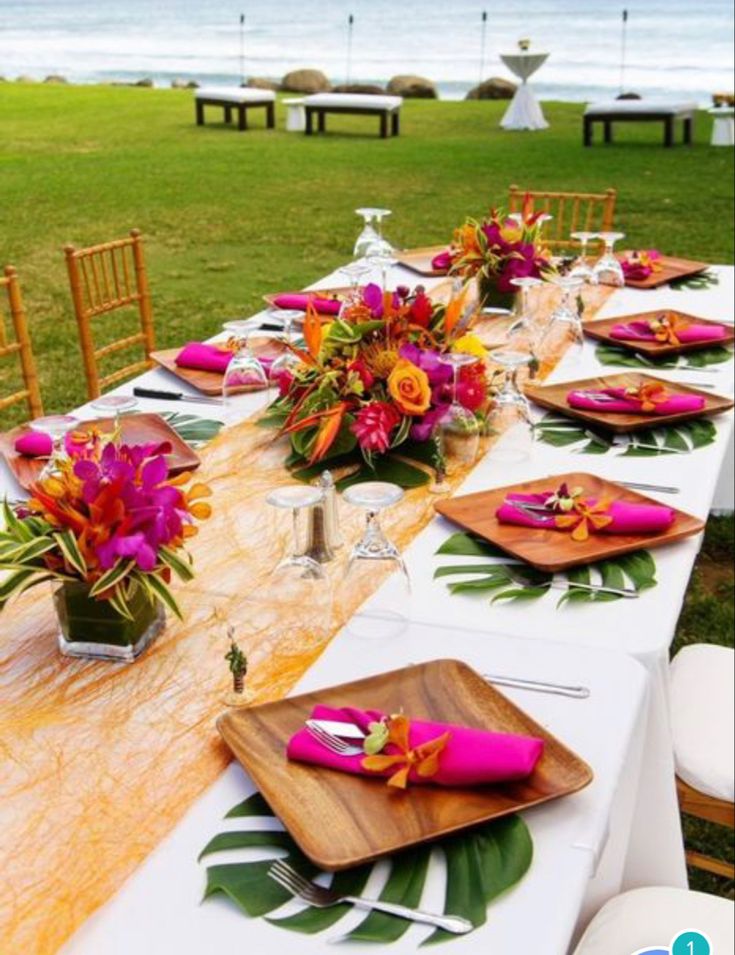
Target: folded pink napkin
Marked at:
204, 357
442, 262
641, 332
471, 757
640, 265
299, 302
626, 404
34, 444
627, 518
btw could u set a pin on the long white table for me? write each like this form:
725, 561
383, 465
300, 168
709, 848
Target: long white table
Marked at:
605, 647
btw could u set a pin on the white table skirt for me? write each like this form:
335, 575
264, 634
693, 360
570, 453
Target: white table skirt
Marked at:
157, 912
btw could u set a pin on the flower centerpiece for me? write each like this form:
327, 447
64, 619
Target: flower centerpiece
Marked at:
499, 248
371, 386
108, 524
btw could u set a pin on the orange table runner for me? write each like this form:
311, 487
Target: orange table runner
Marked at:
99, 761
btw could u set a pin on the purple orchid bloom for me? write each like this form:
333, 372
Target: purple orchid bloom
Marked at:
427, 360
423, 429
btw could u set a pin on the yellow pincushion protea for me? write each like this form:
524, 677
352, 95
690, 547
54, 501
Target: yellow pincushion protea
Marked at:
470, 345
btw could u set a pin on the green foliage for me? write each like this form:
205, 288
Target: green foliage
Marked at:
481, 865
683, 438
509, 579
192, 429
624, 358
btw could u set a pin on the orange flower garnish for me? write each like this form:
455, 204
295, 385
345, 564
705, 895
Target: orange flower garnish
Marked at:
455, 309
424, 759
312, 331
664, 327
650, 394
585, 517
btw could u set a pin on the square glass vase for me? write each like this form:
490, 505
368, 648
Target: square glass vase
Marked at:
93, 629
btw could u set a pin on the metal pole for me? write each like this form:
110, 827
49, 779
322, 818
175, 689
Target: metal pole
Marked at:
350, 26
242, 48
623, 51
482, 45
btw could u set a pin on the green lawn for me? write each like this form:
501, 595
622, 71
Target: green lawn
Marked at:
230, 216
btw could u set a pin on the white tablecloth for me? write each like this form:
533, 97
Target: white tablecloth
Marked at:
524, 111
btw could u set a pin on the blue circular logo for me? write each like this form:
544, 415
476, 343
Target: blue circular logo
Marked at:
691, 943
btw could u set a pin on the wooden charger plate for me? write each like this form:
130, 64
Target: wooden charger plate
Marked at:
336, 293
136, 429
419, 260
210, 382
671, 269
551, 550
601, 328
340, 820
554, 397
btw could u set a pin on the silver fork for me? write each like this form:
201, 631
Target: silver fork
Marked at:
321, 898
332, 742
520, 578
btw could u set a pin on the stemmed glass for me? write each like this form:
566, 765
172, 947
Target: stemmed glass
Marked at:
608, 269
459, 430
56, 427
511, 411
581, 267
287, 360
525, 332
564, 335
387, 612
354, 272
244, 373
115, 405
370, 233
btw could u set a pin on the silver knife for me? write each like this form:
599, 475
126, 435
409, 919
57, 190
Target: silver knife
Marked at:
338, 728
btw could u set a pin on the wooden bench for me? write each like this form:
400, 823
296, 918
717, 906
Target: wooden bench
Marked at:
640, 111
387, 108
238, 98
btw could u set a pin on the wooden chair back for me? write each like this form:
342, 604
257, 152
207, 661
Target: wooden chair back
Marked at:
104, 278
572, 212
20, 345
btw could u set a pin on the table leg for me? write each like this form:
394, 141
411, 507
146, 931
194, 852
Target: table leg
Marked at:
669, 131
242, 119
608, 131
309, 129
322, 121
199, 112
396, 123
270, 115
688, 129
587, 131
383, 125
228, 114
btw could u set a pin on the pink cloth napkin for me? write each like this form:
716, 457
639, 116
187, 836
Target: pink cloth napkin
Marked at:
204, 357
635, 270
627, 518
324, 306
34, 444
470, 758
641, 332
442, 262
676, 404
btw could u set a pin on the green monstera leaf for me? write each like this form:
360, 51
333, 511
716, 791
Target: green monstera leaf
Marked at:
191, 428
624, 358
504, 578
481, 864
682, 438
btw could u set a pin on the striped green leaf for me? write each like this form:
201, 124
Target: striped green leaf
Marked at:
157, 589
181, 567
73, 556
111, 578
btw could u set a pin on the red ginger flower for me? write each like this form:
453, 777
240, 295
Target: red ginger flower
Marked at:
373, 425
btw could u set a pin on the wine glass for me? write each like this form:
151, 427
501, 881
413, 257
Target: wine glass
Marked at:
354, 273
287, 361
369, 233
608, 270
386, 613
459, 429
511, 413
245, 373
581, 267
56, 427
564, 335
114, 406
298, 587
525, 332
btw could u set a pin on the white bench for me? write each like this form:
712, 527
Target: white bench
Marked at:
640, 111
239, 98
356, 104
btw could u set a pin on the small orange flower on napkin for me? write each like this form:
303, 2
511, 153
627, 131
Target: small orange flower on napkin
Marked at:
664, 328
651, 394
424, 758
585, 517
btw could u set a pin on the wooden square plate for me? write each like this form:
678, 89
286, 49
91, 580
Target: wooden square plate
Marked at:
210, 382
340, 820
419, 260
554, 397
602, 327
551, 550
136, 429
337, 293
671, 270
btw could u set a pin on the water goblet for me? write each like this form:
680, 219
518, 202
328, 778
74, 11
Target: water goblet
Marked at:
245, 373
459, 430
115, 405
369, 233
510, 415
564, 335
608, 269
56, 427
581, 267
287, 361
386, 613
526, 330
354, 273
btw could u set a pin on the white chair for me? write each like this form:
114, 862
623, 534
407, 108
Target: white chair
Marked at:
703, 727
653, 918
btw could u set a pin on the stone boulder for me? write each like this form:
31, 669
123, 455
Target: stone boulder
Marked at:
192, 85
179, 84
494, 88
26, 79
55, 78
305, 81
412, 87
262, 83
365, 88
629, 96
147, 82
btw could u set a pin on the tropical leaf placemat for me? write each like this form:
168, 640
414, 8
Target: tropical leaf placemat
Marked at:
481, 864
700, 281
508, 579
624, 358
682, 438
191, 428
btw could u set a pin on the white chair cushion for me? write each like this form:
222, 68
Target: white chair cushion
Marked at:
639, 106
354, 100
703, 718
235, 94
651, 918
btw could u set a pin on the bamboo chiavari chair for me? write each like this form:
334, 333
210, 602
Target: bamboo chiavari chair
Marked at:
572, 212
20, 346
104, 278
701, 806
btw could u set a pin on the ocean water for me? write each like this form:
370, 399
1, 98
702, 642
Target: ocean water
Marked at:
674, 47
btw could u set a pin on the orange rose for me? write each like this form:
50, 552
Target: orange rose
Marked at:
409, 387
